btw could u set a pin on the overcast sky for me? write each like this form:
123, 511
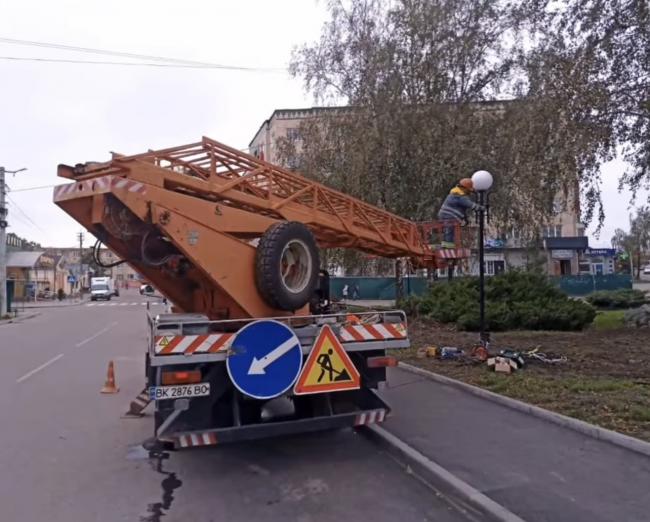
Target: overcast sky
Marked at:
53, 113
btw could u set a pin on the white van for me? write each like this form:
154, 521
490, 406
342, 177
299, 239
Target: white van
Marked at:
101, 288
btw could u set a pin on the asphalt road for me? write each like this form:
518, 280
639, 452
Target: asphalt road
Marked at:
66, 455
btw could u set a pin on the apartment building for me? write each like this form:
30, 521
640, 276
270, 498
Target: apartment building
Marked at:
560, 250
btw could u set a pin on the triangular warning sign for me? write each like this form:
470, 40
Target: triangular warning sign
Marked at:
164, 342
328, 367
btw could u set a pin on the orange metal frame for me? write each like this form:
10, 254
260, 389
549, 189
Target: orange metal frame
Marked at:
210, 200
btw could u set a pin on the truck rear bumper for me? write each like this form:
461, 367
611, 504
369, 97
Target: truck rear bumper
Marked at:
372, 410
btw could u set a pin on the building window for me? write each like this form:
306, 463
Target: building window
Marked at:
494, 267
293, 163
552, 231
293, 134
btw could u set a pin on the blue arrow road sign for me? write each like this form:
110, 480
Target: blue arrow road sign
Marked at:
265, 359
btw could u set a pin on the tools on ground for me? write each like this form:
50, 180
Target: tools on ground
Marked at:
503, 361
445, 352
480, 353
109, 385
506, 361
427, 351
451, 352
535, 355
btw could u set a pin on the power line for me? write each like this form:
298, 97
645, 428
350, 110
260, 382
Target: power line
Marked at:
41, 187
136, 64
106, 52
17, 207
33, 188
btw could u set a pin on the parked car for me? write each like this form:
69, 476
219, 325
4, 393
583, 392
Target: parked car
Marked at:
146, 289
646, 270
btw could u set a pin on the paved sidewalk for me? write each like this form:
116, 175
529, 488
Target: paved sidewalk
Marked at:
51, 303
536, 469
27, 314
370, 303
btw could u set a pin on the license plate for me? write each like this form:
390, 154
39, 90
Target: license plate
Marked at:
183, 391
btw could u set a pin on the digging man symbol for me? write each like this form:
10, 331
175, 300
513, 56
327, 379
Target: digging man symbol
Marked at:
325, 362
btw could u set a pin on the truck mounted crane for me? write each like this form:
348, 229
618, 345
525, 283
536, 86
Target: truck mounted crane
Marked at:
233, 241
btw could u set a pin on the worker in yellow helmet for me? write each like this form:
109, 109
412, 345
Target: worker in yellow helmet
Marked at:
455, 208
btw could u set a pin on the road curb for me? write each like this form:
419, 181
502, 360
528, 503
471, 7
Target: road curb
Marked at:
19, 319
585, 428
439, 476
36, 307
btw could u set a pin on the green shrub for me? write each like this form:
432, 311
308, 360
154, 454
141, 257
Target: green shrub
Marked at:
410, 305
613, 299
514, 301
609, 320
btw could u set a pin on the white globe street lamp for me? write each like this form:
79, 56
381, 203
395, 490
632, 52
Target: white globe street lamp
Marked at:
482, 181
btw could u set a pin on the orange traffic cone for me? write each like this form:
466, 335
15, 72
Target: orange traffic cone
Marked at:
109, 385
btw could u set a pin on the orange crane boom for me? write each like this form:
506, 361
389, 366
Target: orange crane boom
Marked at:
186, 217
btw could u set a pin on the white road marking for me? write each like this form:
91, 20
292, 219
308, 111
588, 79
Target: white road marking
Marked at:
41, 367
112, 304
90, 304
101, 304
85, 341
124, 304
258, 366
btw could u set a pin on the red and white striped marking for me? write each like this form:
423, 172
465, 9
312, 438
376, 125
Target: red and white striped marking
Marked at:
372, 332
103, 183
189, 344
370, 417
129, 185
63, 190
453, 253
192, 440
83, 188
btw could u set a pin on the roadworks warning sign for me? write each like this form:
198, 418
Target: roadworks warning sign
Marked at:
328, 367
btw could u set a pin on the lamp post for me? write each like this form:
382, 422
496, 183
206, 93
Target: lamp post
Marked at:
482, 181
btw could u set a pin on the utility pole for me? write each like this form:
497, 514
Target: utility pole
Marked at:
3, 239
80, 237
3, 246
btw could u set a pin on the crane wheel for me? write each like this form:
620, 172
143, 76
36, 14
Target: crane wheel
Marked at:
286, 265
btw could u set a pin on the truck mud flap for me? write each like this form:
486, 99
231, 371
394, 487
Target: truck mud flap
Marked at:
375, 411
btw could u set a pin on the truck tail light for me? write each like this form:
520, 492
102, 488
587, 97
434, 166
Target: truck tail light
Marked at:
381, 362
184, 377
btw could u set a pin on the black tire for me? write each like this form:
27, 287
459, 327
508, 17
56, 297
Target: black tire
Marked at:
268, 265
